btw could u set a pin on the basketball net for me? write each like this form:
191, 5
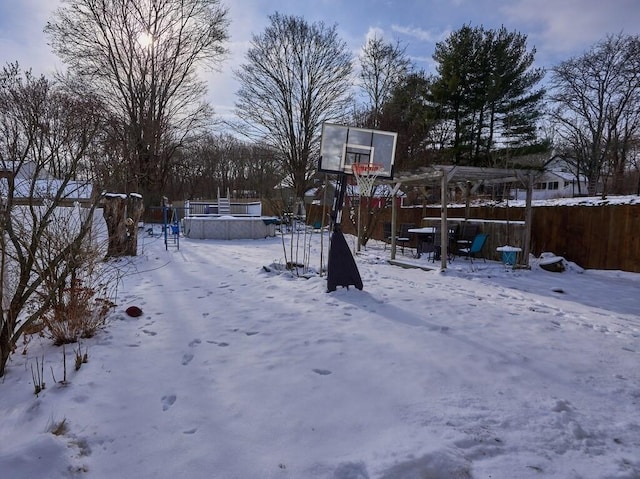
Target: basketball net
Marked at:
366, 175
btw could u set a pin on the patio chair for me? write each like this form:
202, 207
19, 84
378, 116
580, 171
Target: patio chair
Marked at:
404, 237
386, 233
475, 249
468, 232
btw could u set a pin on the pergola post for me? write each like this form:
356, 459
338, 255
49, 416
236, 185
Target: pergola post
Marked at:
394, 219
444, 226
528, 218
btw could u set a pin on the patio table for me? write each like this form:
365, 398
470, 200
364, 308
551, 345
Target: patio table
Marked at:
424, 235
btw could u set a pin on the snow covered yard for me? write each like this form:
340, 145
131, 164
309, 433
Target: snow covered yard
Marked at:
238, 372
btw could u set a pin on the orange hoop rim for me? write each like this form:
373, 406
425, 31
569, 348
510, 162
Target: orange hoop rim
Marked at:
366, 168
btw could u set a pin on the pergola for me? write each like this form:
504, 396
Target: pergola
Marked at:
469, 176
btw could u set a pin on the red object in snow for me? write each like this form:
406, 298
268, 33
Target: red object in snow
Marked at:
133, 311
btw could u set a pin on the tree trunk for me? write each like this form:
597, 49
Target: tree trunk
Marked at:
114, 215
5, 343
135, 208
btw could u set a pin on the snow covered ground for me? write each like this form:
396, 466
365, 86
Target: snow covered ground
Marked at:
234, 371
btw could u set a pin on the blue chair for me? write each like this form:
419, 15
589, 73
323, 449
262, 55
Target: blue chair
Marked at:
476, 247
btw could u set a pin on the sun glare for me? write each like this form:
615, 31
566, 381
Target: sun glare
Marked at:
145, 40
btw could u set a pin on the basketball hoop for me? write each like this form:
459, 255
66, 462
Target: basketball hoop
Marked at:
366, 174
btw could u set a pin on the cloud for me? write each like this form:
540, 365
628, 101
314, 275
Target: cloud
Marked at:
419, 33
570, 27
374, 32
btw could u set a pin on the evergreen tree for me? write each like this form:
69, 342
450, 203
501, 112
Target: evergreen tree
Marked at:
487, 90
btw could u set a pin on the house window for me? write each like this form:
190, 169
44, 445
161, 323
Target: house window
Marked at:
553, 185
540, 186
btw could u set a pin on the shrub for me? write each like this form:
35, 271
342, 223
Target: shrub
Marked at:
77, 312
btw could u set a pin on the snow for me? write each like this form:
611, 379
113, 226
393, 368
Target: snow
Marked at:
577, 201
237, 371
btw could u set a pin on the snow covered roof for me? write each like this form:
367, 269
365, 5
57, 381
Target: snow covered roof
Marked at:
25, 169
565, 175
577, 201
47, 188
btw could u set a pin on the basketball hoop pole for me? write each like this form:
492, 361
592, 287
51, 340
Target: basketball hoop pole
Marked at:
341, 267
338, 202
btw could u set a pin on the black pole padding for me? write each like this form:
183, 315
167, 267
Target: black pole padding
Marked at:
341, 268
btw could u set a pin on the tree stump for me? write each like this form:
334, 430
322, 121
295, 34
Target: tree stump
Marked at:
114, 215
135, 208
122, 214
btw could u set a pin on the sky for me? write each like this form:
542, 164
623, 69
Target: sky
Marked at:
237, 369
557, 29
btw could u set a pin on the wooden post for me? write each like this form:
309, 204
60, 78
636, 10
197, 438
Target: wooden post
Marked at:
444, 227
394, 220
526, 250
467, 200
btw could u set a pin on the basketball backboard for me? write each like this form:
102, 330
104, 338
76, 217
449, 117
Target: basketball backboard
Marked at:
341, 146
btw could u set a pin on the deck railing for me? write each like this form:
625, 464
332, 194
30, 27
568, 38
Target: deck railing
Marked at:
193, 208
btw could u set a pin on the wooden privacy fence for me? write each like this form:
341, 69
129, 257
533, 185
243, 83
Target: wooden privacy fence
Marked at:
594, 237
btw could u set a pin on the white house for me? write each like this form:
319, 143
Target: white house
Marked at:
558, 180
43, 186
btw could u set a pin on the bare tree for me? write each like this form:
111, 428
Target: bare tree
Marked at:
221, 162
383, 67
297, 76
596, 106
142, 58
42, 129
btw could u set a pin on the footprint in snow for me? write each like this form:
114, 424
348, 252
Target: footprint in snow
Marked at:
322, 372
187, 358
194, 343
168, 401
